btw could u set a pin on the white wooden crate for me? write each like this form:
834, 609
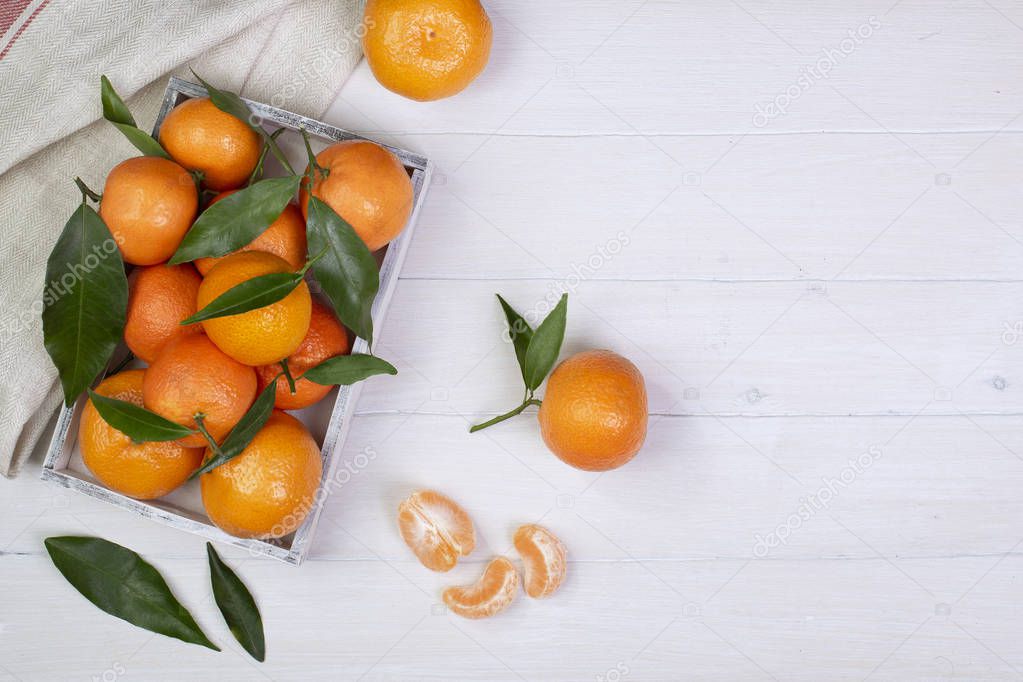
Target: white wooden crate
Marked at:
328, 420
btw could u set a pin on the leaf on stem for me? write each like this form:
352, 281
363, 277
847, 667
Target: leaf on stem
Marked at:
519, 332
258, 292
545, 345
115, 111
236, 220
348, 369
244, 431
86, 301
237, 606
347, 271
120, 582
138, 423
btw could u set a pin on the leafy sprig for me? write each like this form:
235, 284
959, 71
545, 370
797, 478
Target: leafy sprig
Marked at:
536, 352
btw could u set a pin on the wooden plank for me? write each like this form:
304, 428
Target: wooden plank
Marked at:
720, 619
703, 488
810, 206
666, 67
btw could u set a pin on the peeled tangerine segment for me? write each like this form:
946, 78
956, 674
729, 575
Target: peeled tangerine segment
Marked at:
491, 594
543, 558
436, 529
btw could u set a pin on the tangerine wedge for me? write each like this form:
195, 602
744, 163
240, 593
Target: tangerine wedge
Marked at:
489, 595
543, 560
436, 529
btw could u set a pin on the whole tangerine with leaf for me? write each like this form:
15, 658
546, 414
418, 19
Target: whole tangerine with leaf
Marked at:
366, 185
266, 334
326, 338
426, 49
193, 383
268, 489
143, 470
285, 237
593, 415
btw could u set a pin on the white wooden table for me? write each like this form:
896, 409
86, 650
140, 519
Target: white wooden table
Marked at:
825, 298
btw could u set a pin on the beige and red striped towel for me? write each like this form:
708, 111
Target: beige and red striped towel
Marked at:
294, 54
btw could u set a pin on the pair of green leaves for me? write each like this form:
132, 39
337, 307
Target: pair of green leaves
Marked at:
123, 584
536, 351
116, 111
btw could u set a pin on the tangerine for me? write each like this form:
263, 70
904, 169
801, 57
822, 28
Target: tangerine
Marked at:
367, 186
148, 205
192, 376
159, 298
268, 490
325, 339
426, 49
594, 412
285, 237
140, 470
203, 138
264, 335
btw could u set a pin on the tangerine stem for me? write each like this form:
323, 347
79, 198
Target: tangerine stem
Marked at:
86, 191
313, 164
286, 371
507, 415
199, 418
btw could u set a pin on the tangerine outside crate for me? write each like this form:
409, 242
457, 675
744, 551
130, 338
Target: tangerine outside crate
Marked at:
328, 421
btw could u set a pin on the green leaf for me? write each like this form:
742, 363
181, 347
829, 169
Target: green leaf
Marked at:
136, 422
348, 369
257, 292
236, 220
545, 345
120, 582
237, 606
347, 271
244, 431
85, 301
520, 333
229, 103
115, 111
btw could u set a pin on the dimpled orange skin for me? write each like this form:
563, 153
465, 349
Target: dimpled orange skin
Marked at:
367, 186
436, 529
543, 558
192, 375
488, 596
159, 297
594, 411
267, 490
325, 339
285, 238
201, 137
426, 49
141, 470
264, 335
148, 204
